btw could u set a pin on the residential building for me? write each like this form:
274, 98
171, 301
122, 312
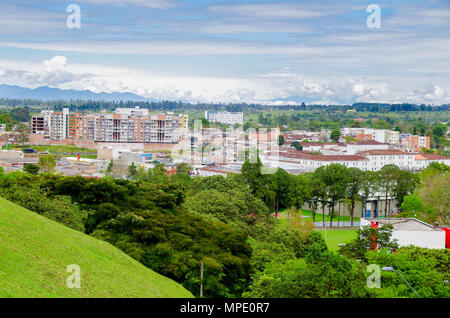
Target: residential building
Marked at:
125, 125
229, 118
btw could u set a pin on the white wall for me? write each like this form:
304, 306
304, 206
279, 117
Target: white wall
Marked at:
427, 239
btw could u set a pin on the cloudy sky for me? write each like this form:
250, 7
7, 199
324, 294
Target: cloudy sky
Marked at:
232, 50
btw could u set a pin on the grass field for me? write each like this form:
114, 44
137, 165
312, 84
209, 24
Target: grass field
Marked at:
336, 237
58, 149
35, 253
319, 217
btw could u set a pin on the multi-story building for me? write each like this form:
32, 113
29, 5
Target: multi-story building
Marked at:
228, 118
124, 125
53, 125
415, 141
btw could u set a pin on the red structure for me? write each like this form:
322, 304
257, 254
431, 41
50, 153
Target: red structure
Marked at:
374, 225
447, 236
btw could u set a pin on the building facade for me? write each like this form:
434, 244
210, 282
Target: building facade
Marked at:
125, 125
228, 118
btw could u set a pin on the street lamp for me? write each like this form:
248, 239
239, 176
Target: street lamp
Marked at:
391, 269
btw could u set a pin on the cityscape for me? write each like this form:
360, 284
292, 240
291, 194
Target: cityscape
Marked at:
225, 156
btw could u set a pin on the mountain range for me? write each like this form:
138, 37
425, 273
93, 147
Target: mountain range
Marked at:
46, 93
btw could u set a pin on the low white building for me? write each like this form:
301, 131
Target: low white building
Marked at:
229, 118
410, 231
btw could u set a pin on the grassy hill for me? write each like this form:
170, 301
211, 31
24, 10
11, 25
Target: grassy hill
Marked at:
35, 253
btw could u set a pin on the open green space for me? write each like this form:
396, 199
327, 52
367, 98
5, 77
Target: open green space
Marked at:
282, 214
35, 253
61, 149
336, 237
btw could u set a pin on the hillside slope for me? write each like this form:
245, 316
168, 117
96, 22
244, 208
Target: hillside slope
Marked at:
35, 253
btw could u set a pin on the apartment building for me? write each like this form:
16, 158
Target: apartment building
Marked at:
388, 136
417, 142
125, 125
229, 118
53, 125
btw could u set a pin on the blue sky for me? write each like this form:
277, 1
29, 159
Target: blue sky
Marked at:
232, 51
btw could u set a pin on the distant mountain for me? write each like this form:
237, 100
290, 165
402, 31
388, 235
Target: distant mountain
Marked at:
46, 93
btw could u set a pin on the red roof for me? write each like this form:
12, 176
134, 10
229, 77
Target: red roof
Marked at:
428, 156
387, 152
308, 156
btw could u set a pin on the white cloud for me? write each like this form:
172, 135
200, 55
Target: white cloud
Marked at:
259, 88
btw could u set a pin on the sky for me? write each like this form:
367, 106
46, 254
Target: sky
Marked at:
232, 51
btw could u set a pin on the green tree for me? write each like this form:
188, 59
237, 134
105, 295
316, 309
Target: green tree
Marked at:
297, 145
369, 239
47, 163
352, 195
31, 168
335, 178
386, 182
132, 171
280, 140
324, 275
335, 135
406, 183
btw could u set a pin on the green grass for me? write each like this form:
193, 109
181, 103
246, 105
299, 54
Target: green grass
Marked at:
336, 237
319, 217
35, 253
55, 149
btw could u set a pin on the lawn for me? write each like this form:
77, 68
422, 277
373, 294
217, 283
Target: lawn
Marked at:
61, 150
282, 214
35, 253
335, 237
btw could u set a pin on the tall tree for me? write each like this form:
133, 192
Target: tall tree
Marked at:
386, 179
46, 163
335, 179
355, 177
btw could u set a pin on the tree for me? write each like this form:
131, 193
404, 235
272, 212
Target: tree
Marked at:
413, 206
386, 180
370, 239
297, 145
281, 140
368, 186
22, 136
31, 168
132, 171
110, 168
335, 178
335, 135
46, 163
435, 192
205, 123
439, 130
183, 168
355, 177
325, 275
405, 184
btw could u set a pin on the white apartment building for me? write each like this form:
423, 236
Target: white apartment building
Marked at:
53, 125
229, 118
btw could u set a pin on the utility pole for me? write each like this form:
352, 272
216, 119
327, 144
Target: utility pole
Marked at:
201, 279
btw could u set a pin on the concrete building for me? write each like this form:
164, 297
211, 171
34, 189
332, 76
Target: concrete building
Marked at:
228, 118
410, 231
126, 125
